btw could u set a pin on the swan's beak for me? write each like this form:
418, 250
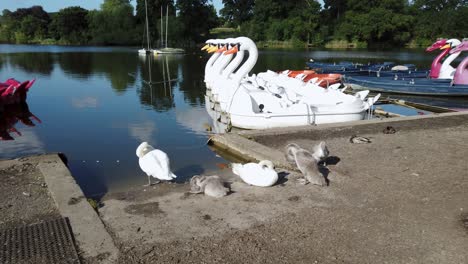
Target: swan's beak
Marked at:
205, 47
212, 49
446, 46
231, 51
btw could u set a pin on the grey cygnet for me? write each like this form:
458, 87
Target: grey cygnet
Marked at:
210, 185
307, 162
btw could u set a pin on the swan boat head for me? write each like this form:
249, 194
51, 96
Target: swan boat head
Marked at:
446, 70
451, 44
437, 45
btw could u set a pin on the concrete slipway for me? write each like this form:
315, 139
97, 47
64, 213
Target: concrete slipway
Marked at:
401, 199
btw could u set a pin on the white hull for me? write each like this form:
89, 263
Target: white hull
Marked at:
169, 51
264, 121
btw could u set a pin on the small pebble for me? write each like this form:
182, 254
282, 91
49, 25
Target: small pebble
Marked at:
26, 194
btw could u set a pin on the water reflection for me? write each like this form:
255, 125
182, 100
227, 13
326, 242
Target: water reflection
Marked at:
76, 64
192, 85
116, 68
217, 126
457, 103
17, 132
143, 131
35, 63
157, 83
85, 102
12, 114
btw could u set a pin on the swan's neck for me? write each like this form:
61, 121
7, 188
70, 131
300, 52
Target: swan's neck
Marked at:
233, 65
461, 73
449, 60
266, 163
210, 63
248, 64
436, 64
224, 61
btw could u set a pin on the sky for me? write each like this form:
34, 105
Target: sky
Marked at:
56, 5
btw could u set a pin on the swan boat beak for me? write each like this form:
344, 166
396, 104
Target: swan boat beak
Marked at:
212, 49
205, 47
223, 49
446, 46
232, 50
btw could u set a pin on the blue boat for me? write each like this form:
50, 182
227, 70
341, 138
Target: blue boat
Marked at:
417, 86
348, 67
377, 69
458, 86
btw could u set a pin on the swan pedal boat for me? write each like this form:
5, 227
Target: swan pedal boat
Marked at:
458, 86
270, 99
13, 91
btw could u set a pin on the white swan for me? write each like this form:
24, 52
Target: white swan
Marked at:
154, 162
260, 174
307, 162
210, 185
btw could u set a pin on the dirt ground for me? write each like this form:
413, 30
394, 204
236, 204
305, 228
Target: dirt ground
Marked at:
401, 199
24, 198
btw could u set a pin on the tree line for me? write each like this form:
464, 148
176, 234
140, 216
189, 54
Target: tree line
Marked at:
300, 22
383, 22
115, 23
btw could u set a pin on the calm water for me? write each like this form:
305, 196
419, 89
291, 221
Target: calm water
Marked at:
97, 104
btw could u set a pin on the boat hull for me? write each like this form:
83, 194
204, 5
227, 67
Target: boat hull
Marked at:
435, 88
265, 121
169, 51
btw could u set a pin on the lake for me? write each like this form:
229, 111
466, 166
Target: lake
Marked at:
97, 104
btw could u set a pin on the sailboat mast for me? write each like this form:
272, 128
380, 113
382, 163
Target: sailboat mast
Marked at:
162, 39
167, 16
147, 25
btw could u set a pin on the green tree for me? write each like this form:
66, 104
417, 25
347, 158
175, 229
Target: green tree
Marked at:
440, 18
197, 17
24, 25
8, 26
113, 24
236, 12
335, 8
377, 22
70, 26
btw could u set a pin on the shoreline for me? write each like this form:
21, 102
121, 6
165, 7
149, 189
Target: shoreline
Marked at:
397, 199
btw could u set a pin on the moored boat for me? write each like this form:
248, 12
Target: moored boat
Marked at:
13, 91
420, 86
271, 99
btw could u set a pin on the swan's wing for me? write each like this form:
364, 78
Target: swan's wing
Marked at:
236, 168
156, 163
255, 174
